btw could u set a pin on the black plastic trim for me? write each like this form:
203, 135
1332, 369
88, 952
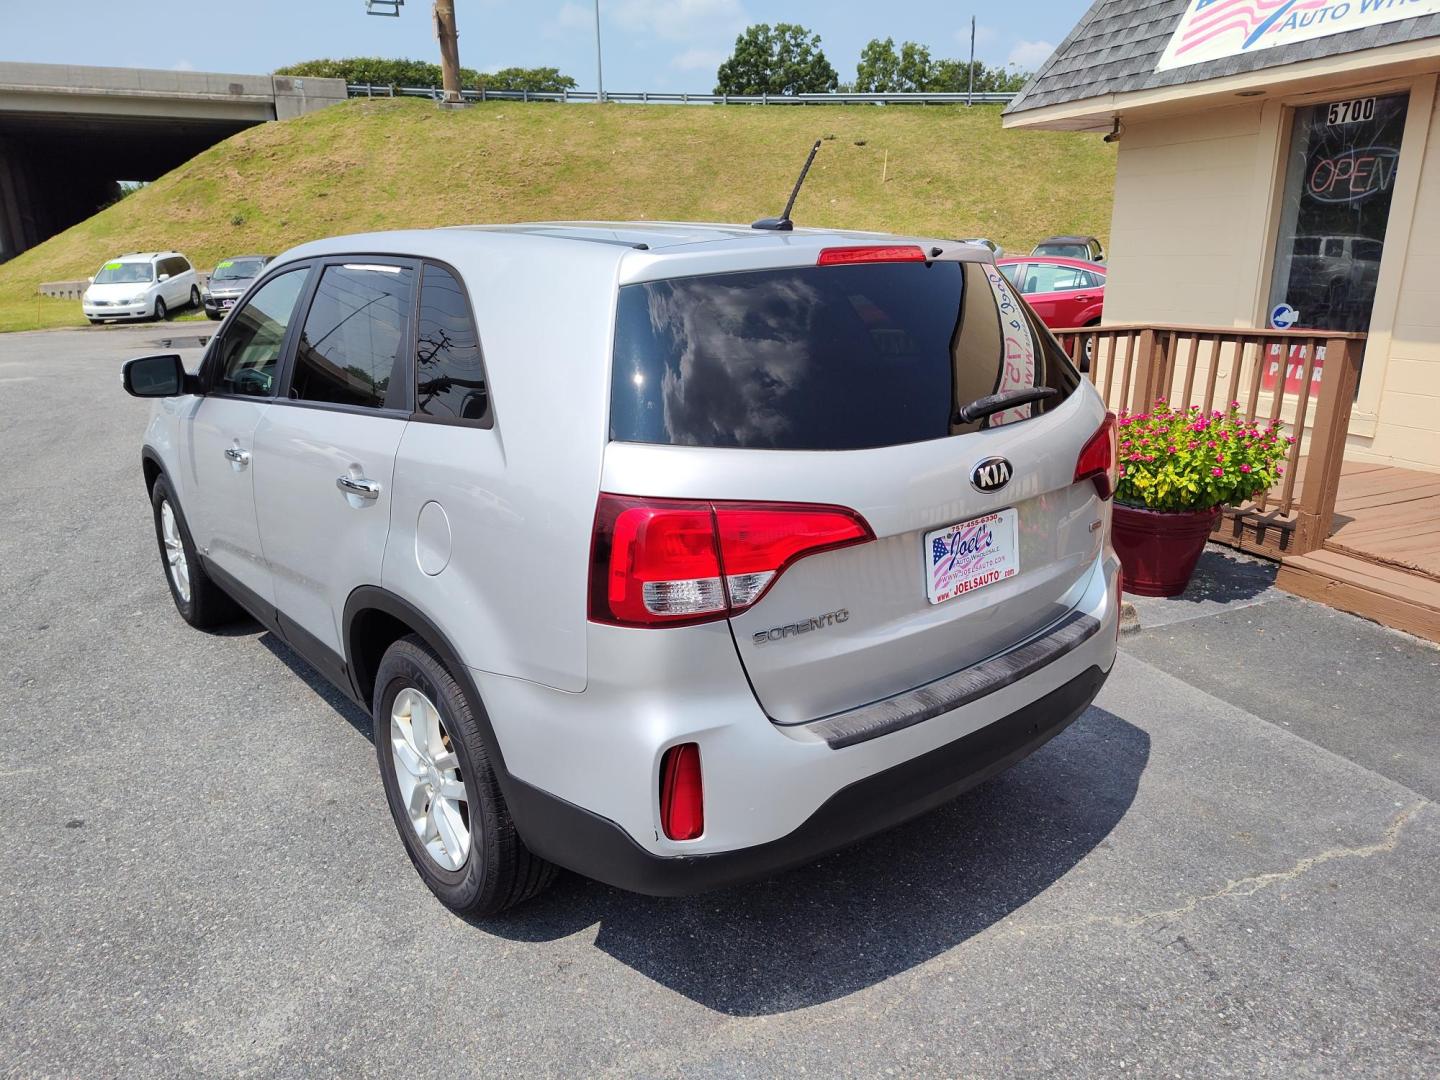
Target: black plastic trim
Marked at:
956, 690
314, 651
598, 848
373, 598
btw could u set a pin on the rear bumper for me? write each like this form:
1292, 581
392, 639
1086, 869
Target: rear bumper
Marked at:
600, 849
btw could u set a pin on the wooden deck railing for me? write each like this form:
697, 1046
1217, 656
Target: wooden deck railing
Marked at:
1304, 379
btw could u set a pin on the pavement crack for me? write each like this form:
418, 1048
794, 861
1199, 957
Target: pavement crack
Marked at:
1246, 886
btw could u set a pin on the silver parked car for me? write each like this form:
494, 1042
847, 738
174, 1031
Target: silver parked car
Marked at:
230, 280
672, 554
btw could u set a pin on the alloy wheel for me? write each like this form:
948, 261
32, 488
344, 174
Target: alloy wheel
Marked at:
175, 561
427, 772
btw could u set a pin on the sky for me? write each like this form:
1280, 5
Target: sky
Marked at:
670, 45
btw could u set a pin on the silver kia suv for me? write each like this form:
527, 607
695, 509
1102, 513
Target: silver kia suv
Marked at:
673, 554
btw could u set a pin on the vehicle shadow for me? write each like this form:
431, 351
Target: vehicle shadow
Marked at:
353, 715
872, 911
1223, 576
860, 915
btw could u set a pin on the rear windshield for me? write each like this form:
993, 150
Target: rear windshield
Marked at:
825, 358
1064, 251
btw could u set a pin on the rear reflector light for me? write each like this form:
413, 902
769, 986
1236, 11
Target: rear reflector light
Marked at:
1097, 459
843, 256
1119, 599
682, 798
672, 562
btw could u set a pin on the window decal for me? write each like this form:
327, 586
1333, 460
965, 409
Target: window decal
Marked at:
1018, 370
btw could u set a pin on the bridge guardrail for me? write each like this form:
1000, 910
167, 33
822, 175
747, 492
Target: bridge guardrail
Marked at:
654, 98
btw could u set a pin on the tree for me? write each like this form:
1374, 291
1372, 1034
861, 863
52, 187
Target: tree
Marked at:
883, 70
380, 71
547, 80
879, 69
915, 67
785, 59
953, 76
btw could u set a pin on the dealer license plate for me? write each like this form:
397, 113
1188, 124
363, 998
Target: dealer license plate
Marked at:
225, 305
968, 556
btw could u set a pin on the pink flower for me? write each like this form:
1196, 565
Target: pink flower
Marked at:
1245, 468
1217, 472
1279, 470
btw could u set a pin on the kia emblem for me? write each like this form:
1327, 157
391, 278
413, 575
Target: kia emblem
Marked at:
991, 475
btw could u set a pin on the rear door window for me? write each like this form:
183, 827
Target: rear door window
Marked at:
824, 358
349, 351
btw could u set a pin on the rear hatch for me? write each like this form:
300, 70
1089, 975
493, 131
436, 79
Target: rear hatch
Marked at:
840, 386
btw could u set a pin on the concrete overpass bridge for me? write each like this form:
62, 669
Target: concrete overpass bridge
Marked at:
67, 134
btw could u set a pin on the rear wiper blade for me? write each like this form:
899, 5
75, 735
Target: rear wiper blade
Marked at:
1006, 399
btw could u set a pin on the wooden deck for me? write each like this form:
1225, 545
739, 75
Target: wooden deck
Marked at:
1382, 558
1389, 516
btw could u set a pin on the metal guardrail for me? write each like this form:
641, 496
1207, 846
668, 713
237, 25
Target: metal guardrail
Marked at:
648, 98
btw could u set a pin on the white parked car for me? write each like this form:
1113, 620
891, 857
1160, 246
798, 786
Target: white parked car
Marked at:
142, 285
672, 554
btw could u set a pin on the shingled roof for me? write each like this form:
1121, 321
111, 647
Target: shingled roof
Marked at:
1117, 44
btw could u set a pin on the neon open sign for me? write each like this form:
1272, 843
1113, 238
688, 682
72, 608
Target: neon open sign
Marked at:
1353, 176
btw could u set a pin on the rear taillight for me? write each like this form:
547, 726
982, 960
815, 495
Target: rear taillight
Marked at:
1097, 459
845, 256
682, 797
671, 562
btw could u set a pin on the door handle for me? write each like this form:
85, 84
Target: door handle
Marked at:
358, 485
235, 454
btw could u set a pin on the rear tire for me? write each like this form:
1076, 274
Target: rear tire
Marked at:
490, 868
199, 600
195, 296
162, 313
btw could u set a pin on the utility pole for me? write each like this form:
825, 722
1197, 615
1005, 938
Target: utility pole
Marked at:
599, 70
449, 48
970, 94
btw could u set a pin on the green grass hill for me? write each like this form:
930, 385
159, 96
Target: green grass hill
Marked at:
386, 164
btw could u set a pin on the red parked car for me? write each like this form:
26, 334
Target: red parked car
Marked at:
1063, 292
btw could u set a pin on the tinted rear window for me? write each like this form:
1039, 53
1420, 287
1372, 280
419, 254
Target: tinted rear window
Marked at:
824, 358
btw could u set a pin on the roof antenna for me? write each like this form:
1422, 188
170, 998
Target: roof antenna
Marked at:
783, 222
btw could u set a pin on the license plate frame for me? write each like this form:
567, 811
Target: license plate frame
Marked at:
978, 552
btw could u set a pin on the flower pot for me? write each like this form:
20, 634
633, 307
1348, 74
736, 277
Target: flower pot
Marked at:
1158, 550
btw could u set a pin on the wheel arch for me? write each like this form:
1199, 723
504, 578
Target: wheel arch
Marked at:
153, 469
373, 620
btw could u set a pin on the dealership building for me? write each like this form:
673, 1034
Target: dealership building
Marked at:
1278, 166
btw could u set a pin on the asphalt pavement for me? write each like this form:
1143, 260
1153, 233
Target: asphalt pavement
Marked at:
1230, 866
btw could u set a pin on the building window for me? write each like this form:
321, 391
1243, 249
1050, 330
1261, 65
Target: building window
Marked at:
1338, 183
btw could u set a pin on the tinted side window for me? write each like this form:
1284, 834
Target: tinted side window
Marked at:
253, 336
449, 374
350, 344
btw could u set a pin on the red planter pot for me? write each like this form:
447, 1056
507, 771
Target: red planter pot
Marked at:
1158, 551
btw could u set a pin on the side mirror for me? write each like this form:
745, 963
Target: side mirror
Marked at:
164, 277
162, 375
